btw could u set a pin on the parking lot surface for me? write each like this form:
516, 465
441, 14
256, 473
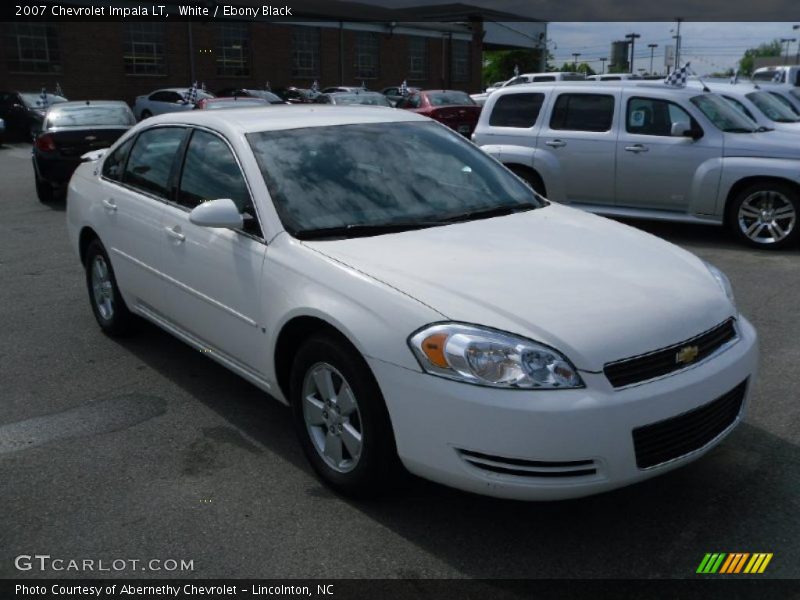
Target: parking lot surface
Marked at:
145, 449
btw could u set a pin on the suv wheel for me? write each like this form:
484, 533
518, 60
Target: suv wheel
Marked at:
341, 418
765, 215
108, 306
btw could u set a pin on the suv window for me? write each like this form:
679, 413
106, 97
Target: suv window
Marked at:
150, 162
583, 112
744, 110
114, 164
544, 78
516, 110
651, 116
210, 172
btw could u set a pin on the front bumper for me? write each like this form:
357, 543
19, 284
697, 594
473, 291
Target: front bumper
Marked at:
449, 432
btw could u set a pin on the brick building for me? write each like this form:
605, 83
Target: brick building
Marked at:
120, 60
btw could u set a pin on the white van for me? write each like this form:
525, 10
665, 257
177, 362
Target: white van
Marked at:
788, 75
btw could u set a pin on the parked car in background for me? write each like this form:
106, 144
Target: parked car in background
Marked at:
70, 130
394, 93
496, 85
23, 112
2, 132
294, 95
233, 102
650, 151
547, 77
416, 304
786, 95
788, 75
348, 98
451, 107
613, 77
343, 88
757, 104
250, 93
165, 100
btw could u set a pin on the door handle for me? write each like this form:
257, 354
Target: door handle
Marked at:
109, 205
556, 143
175, 233
637, 148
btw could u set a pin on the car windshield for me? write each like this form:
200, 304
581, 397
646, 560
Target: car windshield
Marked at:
368, 99
449, 98
265, 95
83, 116
772, 107
786, 102
237, 103
35, 100
723, 115
795, 93
431, 177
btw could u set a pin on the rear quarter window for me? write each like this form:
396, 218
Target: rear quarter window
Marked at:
516, 110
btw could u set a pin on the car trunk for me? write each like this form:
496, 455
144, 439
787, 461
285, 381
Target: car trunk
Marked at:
78, 141
461, 118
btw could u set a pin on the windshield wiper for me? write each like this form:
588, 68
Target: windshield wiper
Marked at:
740, 130
488, 213
366, 230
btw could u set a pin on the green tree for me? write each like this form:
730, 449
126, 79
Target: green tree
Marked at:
747, 62
498, 65
569, 67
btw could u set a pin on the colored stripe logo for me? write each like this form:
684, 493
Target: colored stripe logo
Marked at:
734, 563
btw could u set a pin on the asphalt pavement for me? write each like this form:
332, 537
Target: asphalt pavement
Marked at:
145, 449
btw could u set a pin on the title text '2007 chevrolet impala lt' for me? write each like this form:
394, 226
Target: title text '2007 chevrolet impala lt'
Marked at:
431, 312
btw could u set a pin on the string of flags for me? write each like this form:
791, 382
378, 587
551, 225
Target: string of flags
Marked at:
679, 77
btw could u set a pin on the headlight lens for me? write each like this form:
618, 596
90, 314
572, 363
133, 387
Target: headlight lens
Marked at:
487, 357
723, 282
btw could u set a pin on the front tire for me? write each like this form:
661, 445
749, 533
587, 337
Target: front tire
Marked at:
765, 215
108, 306
341, 419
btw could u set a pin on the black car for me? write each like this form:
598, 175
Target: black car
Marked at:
395, 93
250, 93
70, 130
294, 95
23, 112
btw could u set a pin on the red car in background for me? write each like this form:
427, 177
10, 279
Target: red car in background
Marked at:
451, 107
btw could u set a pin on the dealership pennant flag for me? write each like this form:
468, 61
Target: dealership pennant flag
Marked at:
59, 91
43, 97
363, 85
191, 94
267, 87
679, 77
735, 78
778, 77
516, 70
404, 88
315, 86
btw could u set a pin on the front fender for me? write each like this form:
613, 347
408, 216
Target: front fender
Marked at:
545, 163
735, 168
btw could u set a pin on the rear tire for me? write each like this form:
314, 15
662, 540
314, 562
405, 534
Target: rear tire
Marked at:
341, 419
530, 177
44, 191
766, 215
108, 306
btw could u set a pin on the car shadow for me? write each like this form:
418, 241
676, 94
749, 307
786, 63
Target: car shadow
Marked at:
742, 496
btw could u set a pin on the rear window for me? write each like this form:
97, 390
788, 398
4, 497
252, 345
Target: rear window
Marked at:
583, 112
516, 110
83, 116
449, 99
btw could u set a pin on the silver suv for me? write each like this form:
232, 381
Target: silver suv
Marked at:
650, 151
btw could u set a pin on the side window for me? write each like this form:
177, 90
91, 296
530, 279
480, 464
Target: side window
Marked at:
583, 112
516, 110
114, 163
210, 172
159, 97
740, 107
544, 78
174, 97
651, 116
151, 159
414, 101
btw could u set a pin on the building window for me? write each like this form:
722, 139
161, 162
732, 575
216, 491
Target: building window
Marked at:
233, 50
367, 55
417, 58
459, 56
144, 49
33, 48
305, 51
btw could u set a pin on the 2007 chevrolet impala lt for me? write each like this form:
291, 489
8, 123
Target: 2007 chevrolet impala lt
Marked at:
413, 301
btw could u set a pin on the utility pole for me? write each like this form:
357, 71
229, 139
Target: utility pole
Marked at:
632, 37
797, 57
677, 37
603, 65
787, 41
652, 50
575, 56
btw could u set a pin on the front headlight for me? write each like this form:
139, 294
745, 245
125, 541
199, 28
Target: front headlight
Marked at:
487, 357
723, 282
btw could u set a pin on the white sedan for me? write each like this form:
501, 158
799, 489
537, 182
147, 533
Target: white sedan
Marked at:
423, 308
164, 101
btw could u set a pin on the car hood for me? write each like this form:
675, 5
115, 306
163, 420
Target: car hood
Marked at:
767, 144
593, 288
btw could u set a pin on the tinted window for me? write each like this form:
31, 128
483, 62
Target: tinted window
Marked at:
516, 110
723, 115
162, 97
151, 159
786, 102
78, 116
114, 164
650, 116
449, 98
742, 108
583, 112
544, 78
772, 108
210, 172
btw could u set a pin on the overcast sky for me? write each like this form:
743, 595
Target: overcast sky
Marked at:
709, 46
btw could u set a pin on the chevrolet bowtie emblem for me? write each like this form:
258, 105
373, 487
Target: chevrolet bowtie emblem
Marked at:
686, 355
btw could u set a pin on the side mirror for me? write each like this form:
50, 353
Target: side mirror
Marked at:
685, 130
217, 213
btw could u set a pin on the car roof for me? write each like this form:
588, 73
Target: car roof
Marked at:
589, 86
243, 120
73, 103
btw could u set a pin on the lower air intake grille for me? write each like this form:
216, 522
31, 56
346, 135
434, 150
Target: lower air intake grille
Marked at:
528, 468
672, 438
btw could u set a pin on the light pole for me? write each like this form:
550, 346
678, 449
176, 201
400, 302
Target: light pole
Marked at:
787, 41
677, 37
575, 56
603, 65
797, 57
632, 37
652, 50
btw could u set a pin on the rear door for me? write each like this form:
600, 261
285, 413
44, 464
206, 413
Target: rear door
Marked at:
214, 274
580, 137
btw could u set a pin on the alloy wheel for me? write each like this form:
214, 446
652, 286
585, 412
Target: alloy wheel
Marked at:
767, 217
102, 288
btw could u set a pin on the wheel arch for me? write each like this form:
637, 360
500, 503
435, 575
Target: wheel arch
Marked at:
87, 235
518, 167
745, 182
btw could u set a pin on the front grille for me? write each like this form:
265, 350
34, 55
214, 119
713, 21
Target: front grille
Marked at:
672, 438
664, 361
528, 468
